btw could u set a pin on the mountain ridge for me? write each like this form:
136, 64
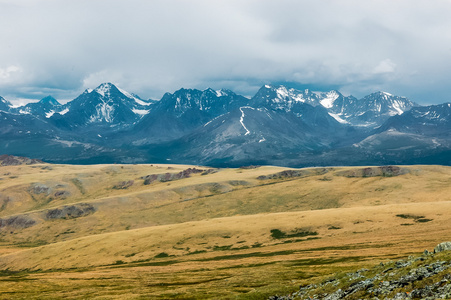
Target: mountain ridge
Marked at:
278, 124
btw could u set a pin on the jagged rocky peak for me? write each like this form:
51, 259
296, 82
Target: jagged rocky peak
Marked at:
440, 113
110, 92
50, 100
216, 101
219, 93
5, 105
107, 89
383, 102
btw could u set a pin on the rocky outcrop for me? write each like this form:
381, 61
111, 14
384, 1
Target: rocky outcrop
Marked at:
40, 188
294, 173
172, 176
384, 171
70, 211
425, 277
17, 222
10, 160
442, 247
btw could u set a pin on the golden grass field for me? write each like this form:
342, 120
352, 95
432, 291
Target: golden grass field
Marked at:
221, 235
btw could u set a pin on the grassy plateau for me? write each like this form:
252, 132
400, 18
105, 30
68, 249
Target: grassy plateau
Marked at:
193, 232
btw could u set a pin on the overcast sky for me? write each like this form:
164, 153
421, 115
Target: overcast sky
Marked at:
61, 47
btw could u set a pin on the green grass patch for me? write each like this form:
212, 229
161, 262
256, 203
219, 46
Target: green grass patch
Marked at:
278, 234
334, 227
162, 255
423, 220
409, 216
246, 255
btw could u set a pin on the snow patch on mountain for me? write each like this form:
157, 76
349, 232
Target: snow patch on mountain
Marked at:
137, 100
104, 112
328, 102
338, 118
103, 89
242, 120
25, 111
64, 111
140, 102
398, 107
49, 114
140, 112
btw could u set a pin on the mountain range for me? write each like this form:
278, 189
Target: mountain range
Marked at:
278, 125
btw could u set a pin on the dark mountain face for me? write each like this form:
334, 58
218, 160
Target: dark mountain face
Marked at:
433, 120
49, 101
246, 134
220, 128
250, 135
23, 125
45, 108
178, 114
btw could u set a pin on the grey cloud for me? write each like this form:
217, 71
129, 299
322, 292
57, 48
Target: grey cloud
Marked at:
150, 47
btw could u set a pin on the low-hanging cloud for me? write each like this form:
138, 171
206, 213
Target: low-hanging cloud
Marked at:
151, 47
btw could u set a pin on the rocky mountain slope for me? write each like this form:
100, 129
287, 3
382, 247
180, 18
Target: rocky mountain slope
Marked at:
278, 125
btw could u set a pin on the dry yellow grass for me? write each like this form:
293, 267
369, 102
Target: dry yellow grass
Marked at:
210, 236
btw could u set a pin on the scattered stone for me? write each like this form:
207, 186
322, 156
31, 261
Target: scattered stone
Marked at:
405, 281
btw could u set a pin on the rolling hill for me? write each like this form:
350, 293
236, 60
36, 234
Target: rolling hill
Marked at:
193, 232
